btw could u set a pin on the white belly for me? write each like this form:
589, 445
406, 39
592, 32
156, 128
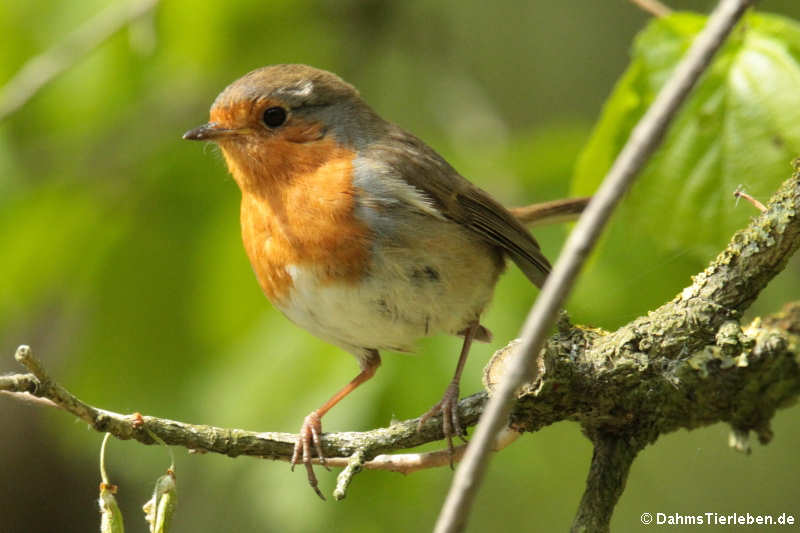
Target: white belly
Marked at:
407, 294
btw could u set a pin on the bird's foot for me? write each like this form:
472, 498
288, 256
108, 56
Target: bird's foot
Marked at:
451, 425
309, 435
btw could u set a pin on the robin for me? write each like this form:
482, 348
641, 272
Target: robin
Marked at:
357, 230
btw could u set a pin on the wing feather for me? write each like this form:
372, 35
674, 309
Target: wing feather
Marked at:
459, 200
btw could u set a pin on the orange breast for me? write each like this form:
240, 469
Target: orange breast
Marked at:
300, 212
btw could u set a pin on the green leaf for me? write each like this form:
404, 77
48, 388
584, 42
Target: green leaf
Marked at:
740, 125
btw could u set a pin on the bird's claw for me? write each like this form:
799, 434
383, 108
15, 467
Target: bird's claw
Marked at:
451, 425
309, 435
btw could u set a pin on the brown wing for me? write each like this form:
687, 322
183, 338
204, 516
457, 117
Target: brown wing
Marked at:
460, 200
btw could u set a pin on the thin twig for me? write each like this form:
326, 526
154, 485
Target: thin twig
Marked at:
54, 392
408, 463
103, 473
44, 68
8, 389
644, 139
354, 465
24, 356
19, 383
234, 442
552, 212
277, 446
654, 7
739, 193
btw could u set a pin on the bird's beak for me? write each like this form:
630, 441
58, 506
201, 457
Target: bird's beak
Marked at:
212, 131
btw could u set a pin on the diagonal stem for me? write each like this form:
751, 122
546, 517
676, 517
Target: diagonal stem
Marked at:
44, 68
644, 139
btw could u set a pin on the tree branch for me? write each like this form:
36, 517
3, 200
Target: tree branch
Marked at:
611, 461
685, 365
230, 442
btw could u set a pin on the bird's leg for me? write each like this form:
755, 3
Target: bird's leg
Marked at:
448, 405
311, 429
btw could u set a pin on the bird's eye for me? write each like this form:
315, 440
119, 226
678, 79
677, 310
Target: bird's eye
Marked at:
274, 116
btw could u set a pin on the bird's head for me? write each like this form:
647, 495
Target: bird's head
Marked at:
279, 120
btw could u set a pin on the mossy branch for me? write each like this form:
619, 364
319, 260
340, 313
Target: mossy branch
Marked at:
688, 364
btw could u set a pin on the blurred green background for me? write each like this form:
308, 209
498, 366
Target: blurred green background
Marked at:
122, 265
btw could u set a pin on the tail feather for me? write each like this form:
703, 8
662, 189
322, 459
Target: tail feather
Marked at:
482, 334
